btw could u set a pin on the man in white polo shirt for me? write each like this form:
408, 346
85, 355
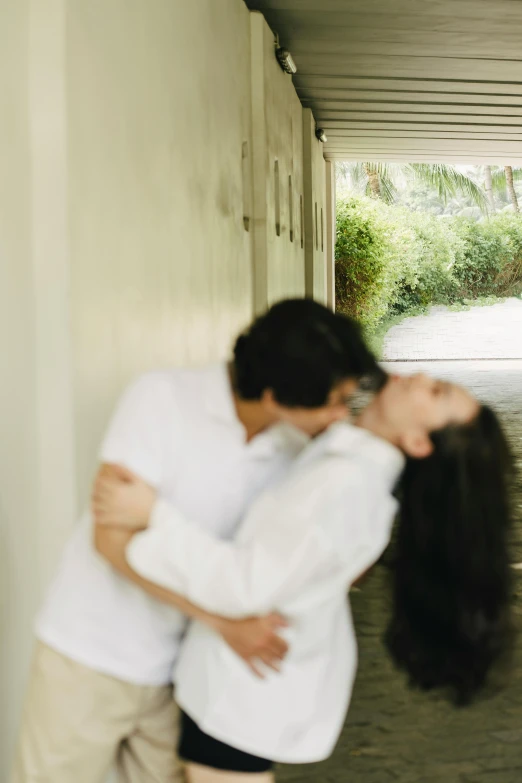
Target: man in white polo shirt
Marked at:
209, 440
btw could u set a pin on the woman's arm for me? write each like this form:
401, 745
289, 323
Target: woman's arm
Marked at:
111, 543
317, 534
288, 552
251, 638
228, 578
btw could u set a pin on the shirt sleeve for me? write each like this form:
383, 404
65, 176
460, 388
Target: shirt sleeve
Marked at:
227, 578
291, 555
136, 436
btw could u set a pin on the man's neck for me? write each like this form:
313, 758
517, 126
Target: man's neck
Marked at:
252, 416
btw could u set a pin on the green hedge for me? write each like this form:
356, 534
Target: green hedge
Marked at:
391, 261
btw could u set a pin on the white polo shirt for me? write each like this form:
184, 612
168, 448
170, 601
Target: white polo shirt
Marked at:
178, 430
301, 545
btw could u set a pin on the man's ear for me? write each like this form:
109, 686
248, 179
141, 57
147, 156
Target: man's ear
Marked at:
416, 444
269, 401
268, 396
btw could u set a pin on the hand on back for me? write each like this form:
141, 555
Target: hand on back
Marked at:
257, 641
121, 499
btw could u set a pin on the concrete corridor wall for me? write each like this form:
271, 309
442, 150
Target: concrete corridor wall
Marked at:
161, 268
18, 469
140, 226
37, 478
278, 175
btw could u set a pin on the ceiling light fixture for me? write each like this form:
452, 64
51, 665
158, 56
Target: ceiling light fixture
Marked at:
284, 58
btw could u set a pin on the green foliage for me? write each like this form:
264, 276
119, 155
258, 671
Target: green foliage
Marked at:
444, 179
448, 181
423, 270
490, 260
361, 255
391, 261
482, 258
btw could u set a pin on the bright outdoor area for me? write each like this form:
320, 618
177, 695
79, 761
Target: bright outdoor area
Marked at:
429, 257
428, 243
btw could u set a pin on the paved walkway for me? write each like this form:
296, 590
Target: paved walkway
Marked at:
394, 734
493, 332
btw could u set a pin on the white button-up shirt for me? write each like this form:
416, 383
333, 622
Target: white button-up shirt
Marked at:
301, 545
178, 430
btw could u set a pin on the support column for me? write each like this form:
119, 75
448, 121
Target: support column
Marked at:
37, 460
314, 211
48, 134
330, 233
259, 158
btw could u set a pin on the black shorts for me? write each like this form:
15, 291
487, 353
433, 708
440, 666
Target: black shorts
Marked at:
197, 747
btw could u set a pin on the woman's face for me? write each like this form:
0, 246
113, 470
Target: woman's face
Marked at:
414, 406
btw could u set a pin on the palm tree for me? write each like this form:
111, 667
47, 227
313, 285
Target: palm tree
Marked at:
383, 180
503, 180
374, 180
510, 187
488, 185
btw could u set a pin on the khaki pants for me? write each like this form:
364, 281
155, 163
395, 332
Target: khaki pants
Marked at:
78, 725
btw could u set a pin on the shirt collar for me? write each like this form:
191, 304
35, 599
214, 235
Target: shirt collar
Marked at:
347, 440
219, 403
279, 438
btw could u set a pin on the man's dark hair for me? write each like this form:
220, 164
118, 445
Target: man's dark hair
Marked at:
300, 350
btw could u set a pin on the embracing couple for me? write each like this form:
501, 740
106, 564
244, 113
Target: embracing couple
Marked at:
240, 497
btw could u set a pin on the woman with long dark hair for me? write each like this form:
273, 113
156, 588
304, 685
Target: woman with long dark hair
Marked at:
451, 576
301, 546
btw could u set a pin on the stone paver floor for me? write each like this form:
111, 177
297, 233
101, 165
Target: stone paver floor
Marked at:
492, 332
394, 734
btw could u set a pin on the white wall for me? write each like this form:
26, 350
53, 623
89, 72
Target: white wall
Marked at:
277, 142
159, 108
37, 500
17, 371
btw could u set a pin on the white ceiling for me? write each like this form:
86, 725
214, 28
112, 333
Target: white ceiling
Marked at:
417, 80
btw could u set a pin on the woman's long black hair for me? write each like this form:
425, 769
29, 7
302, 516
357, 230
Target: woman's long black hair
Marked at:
451, 577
